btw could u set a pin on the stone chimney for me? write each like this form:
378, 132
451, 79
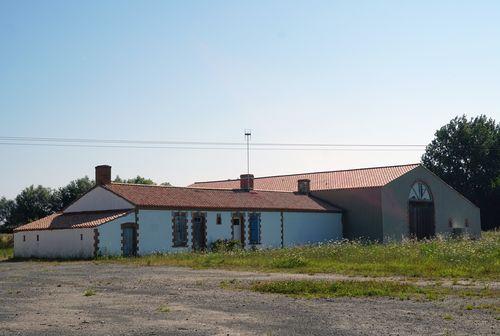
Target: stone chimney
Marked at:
102, 175
304, 186
246, 182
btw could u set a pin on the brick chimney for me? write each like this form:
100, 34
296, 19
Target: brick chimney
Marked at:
102, 175
304, 186
246, 182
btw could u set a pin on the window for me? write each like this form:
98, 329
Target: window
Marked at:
420, 192
81, 236
179, 229
254, 225
37, 238
219, 219
24, 238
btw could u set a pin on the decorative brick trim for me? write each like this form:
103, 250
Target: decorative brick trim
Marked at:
174, 213
96, 242
204, 223
250, 228
135, 238
282, 230
232, 227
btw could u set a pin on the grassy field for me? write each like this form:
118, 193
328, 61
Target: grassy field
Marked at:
438, 258
6, 246
349, 288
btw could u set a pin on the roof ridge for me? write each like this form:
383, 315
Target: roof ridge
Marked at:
318, 172
201, 188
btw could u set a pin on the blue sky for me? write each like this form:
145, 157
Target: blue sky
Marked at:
292, 71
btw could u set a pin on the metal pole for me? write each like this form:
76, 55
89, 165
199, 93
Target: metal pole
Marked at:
248, 134
248, 155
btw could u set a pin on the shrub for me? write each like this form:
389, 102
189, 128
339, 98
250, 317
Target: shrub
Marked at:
225, 245
6, 241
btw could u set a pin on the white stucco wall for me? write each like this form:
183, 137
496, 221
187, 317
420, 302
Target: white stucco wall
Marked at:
218, 231
99, 199
305, 228
155, 232
65, 243
270, 229
110, 235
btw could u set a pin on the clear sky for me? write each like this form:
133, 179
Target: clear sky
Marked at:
292, 71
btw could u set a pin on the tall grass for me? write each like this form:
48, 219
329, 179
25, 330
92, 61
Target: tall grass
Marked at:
437, 258
6, 246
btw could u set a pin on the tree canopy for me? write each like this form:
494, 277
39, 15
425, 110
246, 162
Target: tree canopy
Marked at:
465, 153
37, 202
136, 180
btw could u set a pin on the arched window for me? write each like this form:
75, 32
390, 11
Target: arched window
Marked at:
420, 192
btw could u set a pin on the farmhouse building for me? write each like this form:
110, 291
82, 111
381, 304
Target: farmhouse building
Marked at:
382, 204
129, 219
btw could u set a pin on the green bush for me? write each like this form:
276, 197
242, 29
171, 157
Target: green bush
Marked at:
225, 245
6, 241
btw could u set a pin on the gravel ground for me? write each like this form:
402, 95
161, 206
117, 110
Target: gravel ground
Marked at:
47, 299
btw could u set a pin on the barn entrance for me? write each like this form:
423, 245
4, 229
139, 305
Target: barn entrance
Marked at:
421, 212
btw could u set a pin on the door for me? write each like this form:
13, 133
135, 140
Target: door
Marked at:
421, 220
128, 241
238, 230
199, 232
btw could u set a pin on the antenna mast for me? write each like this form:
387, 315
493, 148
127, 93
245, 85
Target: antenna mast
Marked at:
248, 136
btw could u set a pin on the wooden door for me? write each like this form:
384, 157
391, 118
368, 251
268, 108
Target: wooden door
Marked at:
199, 232
128, 241
421, 216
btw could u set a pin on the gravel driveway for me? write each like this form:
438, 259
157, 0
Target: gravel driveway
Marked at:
47, 299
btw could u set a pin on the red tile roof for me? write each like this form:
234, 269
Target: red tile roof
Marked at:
72, 220
206, 199
340, 179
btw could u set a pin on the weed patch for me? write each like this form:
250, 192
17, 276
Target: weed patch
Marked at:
89, 292
351, 288
163, 309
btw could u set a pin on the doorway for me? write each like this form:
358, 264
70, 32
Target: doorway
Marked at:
199, 225
129, 239
238, 228
421, 212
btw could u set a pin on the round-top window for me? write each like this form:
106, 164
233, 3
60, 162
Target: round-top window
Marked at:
420, 192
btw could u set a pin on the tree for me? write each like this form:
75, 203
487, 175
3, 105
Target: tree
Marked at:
37, 202
466, 155
166, 184
136, 180
31, 204
6, 207
72, 191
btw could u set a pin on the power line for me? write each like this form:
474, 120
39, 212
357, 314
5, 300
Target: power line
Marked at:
205, 145
208, 148
208, 143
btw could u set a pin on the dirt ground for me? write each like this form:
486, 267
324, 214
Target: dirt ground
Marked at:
47, 299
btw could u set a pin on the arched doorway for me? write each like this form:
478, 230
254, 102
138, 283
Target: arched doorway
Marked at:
421, 211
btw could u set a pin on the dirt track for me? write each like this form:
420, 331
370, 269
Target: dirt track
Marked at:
47, 299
